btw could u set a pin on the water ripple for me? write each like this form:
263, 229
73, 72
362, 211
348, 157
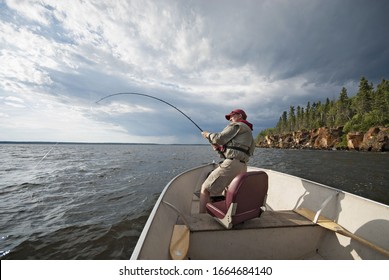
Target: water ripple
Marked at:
91, 201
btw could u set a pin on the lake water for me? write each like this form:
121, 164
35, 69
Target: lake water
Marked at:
92, 201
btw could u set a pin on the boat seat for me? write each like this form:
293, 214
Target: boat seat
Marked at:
245, 196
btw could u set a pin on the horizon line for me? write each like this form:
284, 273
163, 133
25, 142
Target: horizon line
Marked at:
88, 143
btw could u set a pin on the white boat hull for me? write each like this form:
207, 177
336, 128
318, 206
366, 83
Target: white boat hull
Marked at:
279, 233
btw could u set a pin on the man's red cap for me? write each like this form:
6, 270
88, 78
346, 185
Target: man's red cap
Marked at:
236, 111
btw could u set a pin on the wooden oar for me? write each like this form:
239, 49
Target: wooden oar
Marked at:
331, 225
179, 244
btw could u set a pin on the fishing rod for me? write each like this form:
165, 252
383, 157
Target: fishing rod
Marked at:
153, 97
163, 101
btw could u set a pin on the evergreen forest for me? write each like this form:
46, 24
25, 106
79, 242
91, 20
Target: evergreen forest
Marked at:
369, 107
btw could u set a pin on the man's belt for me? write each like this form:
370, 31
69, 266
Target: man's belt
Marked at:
242, 161
246, 151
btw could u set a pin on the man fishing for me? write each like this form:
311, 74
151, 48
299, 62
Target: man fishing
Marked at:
236, 144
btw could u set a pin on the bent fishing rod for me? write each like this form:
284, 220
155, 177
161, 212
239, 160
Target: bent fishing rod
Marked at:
163, 101
153, 97
140, 94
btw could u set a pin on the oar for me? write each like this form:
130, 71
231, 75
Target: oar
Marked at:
331, 225
179, 244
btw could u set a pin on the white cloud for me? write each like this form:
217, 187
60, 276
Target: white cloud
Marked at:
21, 69
13, 101
27, 58
30, 9
151, 43
50, 119
116, 108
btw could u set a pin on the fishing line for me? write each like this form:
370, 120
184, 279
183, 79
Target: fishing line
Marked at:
46, 154
153, 97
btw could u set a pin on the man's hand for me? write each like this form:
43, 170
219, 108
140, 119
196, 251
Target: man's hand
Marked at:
205, 134
215, 147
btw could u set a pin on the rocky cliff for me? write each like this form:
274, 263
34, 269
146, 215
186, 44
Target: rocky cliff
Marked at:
376, 139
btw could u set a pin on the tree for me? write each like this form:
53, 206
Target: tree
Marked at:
291, 119
299, 118
278, 128
343, 110
362, 102
284, 121
331, 114
381, 103
367, 108
317, 115
308, 116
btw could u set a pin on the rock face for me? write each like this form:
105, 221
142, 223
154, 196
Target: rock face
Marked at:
376, 139
326, 138
354, 140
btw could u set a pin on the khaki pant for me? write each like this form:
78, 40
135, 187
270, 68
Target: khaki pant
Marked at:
222, 176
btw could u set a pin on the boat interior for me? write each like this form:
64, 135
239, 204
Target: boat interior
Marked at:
281, 230
282, 234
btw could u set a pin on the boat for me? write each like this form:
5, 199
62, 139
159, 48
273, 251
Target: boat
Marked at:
299, 220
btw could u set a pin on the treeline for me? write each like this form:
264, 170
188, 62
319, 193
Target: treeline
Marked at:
368, 108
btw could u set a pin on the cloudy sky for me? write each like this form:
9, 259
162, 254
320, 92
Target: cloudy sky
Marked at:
57, 58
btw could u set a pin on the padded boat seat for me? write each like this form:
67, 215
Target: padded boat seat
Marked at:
245, 196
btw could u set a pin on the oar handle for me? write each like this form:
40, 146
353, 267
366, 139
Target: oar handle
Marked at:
364, 241
331, 225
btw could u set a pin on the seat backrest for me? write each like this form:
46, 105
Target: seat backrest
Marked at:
248, 190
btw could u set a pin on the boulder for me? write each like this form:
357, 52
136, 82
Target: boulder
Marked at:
326, 138
301, 137
271, 140
376, 139
354, 140
286, 141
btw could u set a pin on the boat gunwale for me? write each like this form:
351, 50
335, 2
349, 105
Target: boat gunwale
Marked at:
144, 234
317, 184
145, 231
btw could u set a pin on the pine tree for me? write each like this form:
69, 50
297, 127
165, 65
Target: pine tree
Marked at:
291, 119
284, 122
366, 109
343, 110
308, 116
363, 100
381, 103
299, 118
331, 114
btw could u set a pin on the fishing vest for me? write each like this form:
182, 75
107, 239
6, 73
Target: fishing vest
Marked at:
237, 141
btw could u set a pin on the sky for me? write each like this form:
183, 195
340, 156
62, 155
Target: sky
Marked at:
206, 58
